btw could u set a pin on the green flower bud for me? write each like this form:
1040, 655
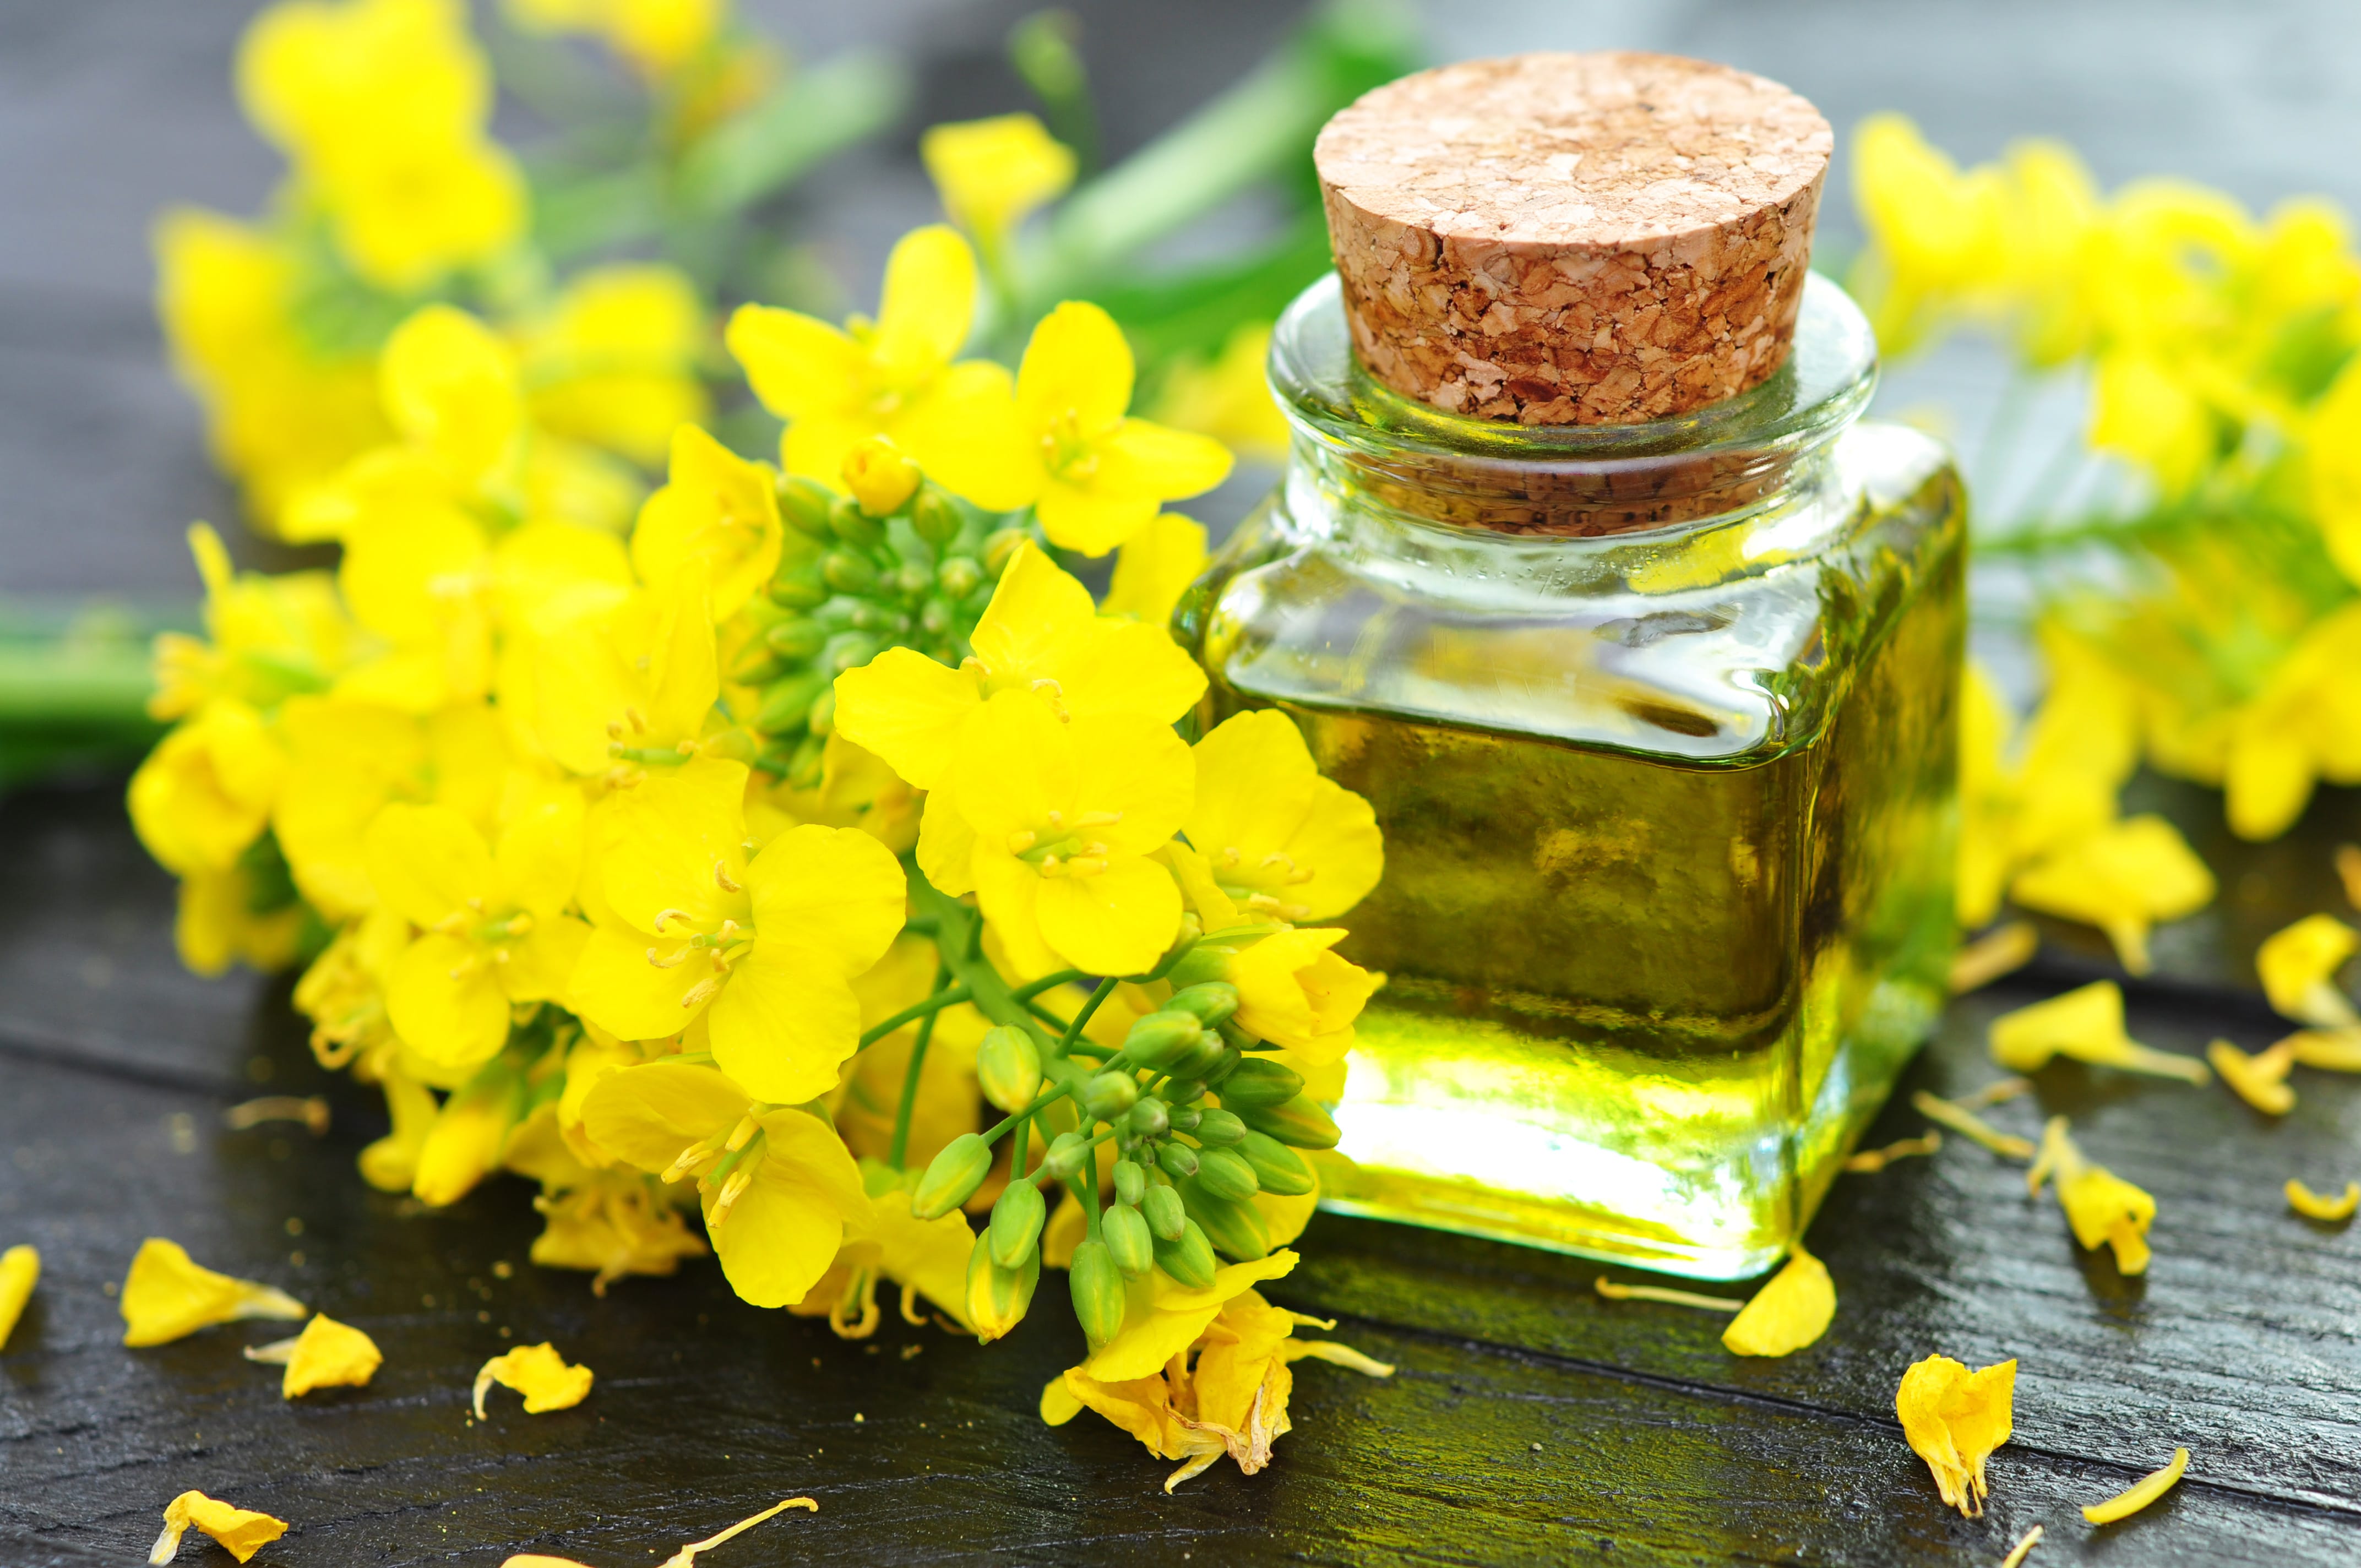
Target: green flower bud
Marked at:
1097, 1285
1067, 1152
1188, 1258
799, 586
1181, 1091
1282, 1171
1225, 1173
1148, 1119
959, 576
786, 703
1157, 1039
1204, 964
1130, 1182
1000, 548
1178, 1160
795, 637
847, 651
996, 1297
1183, 1118
868, 615
1127, 1240
1008, 1066
804, 506
1299, 1123
936, 517
756, 665
1015, 1222
912, 580
953, 1177
806, 763
854, 526
729, 745
1218, 1127
1208, 1003
1109, 1095
1164, 1211
935, 618
1238, 1035
822, 716
1235, 1228
1208, 1060
1258, 1082
847, 571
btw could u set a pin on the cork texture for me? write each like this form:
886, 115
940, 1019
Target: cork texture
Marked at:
1573, 238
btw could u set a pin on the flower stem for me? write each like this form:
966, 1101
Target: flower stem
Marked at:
945, 996
900, 1148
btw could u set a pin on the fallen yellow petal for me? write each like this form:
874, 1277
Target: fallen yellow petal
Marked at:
1998, 1091
2313, 1206
2260, 1080
687, 1556
1970, 1126
2023, 1549
2125, 878
2001, 950
166, 1295
537, 1372
20, 1270
1786, 1314
1618, 1292
241, 1531
327, 1355
2330, 1050
2140, 1493
2298, 968
2086, 1023
2101, 1208
1869, 1161
312, 1112
1953, 1419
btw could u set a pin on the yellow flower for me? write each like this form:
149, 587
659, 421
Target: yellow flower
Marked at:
2299, 965
1953, 1419
658, 37
765, 949
1228, 398
241, 1531
777, 1187
327, 1355
453, 392
382, 108
468, 1135
493, 926
1155, 567
991, 173
2140, 1493
166, 1295
236, 917
614, 361
1295, 993
2086, 1023
893, 377
204, 795
624, 681
2142, 412
612, 1225
20, 1270
1061, 820
537, 1372
391, 1164
1794, 1309
926, 1258
1281, 840
1040, 634
2260, 1080
2302, 1198
2124, 879
717, 521
267, 637
2333, 458
1935, 234
2101, 1208
1065, 447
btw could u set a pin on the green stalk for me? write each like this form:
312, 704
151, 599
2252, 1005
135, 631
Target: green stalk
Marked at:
900, 1148
944, 997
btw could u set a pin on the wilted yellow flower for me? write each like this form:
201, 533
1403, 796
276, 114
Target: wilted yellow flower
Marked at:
2313, 1206
1155, 567
928, 1258
20, 1270
1793, 1310
2260, 1080
991, 173
2299, 965
2101, 1208
1953, 1419
327, 1355
2140, 1493
241, 1531
537, 1372
2086, 1023
168, 1296
2123, 880
1869, 1162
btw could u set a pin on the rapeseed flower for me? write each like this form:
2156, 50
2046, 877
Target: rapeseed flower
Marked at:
992, 172
1228, 397
717, 520
327, 1355
169, 1296
1283, 840
1953, 1419
2260, 1080
2086, 1023
1792, 1310
241, 1533
657, 37
545, 1378
1154, 568
611, 1224
2298, 968
2123, 879
612, 361
2103, 1209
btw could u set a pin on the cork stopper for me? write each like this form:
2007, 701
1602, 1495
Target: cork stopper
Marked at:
1573, 238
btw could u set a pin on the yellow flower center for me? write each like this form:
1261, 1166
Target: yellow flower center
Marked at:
1067, 452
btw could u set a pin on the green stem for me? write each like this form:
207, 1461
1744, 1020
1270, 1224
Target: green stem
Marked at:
1033, 988
941, 999
958, 934
900, 1148
1047, 1016
1073, 1030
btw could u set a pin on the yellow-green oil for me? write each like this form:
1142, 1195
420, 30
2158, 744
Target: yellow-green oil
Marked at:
1668, 896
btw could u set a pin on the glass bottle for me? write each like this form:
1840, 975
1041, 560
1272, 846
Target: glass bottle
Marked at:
1658, 720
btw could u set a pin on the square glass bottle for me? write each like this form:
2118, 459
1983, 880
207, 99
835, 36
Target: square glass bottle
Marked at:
1657, 716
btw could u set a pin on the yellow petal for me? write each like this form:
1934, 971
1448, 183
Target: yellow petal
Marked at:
796, 365
687, 1556
1295, 991
1118, 922
20, 1270
241, 1531
1128, 667
2298, 968
1155, 567
1953, 1419
787, 1021
2101, 1209
1970, 1126
1163, 1318
946, 849
2003, 949
2260, 1080
780, 1236
718, 517
616, 986
927, 303
2088, 1024
2140, 1493
465, 1144
2122, 879
2302, 1198
537, 1372
832, 889
991, 172
655, 848
906, 709
445, 999
1075, 377
1092, 520
1038, 620
1792, 1311
538, 861
1266, 822
327, 1355
2331, 1050
646, 1116
450, 385
168, 1296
